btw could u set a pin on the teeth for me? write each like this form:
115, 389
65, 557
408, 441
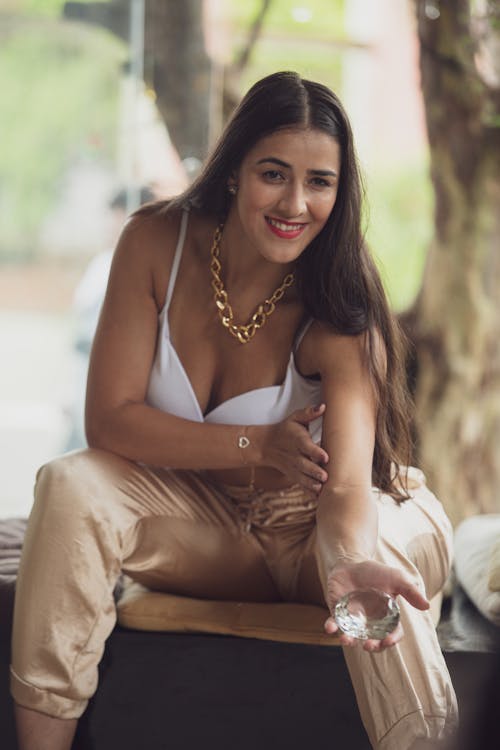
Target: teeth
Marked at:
284, 227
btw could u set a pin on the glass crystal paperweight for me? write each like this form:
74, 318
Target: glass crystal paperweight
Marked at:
368, 613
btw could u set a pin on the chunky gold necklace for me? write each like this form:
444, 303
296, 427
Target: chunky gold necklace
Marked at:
244, 333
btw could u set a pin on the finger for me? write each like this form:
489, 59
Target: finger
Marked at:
309, 414
372, 645
310, 469
314, 452
331, 626
413, 596
393, 638
347, 640
375, 646
308, 483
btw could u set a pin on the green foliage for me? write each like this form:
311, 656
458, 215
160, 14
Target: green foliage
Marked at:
290, 55
296, 36
493, 120
48, 8
59, 84
400, 227
319, 17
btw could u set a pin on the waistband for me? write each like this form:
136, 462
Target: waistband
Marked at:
277, 508
294, 494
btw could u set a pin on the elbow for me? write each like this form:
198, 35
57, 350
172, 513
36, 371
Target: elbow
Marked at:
98, 432
94, 440
110, 430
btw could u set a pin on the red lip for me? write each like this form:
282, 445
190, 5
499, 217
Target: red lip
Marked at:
285, 234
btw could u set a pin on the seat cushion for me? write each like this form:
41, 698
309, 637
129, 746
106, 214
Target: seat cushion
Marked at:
142, 609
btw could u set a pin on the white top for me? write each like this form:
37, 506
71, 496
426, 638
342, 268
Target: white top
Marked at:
171, 391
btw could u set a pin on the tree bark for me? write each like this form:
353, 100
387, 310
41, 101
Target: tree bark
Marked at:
457, 330
176, 64
179, 70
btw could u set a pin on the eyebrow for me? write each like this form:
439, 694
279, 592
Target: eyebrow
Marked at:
280, 163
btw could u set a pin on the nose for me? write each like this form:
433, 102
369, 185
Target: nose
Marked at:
293, 200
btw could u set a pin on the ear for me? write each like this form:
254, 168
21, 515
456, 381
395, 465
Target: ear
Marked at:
232, 183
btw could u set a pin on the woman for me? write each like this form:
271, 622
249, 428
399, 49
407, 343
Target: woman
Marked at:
245, 342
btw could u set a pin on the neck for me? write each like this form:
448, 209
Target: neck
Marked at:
244, 266
244, 332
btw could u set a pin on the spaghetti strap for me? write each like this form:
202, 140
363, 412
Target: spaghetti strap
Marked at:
302, 333
177, 258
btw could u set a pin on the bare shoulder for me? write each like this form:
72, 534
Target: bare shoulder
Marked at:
148, 235
145, 250
326, 352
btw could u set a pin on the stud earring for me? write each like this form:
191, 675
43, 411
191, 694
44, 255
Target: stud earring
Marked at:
233, 189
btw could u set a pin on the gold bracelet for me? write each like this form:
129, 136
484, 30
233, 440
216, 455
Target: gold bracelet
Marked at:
243, 443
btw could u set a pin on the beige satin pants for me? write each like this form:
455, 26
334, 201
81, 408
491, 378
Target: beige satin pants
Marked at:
96, 514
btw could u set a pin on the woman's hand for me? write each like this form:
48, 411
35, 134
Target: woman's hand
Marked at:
289, 448
350, 576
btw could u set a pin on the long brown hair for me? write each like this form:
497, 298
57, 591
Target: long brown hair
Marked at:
336, 277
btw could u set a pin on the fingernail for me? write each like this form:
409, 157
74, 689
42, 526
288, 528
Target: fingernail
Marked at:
319, 407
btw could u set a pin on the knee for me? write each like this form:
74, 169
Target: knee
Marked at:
62, 471
417, 536
432, 556
70, 483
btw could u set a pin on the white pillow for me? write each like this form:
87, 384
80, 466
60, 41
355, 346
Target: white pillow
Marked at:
476, 539
494, 570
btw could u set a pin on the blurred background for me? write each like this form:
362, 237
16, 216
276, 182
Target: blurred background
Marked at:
106, 104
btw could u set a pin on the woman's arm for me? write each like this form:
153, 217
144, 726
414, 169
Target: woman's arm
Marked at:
117, 417
347, 517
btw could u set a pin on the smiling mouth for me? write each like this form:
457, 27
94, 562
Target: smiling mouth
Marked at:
286, 229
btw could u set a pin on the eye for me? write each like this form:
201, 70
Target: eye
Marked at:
273, 175
321, 182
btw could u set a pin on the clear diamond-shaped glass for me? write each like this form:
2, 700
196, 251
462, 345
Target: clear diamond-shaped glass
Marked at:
367, 613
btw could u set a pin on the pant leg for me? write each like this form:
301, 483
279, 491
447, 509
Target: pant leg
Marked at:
406, 692
95, 514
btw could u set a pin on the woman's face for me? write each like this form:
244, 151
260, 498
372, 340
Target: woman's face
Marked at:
287, 187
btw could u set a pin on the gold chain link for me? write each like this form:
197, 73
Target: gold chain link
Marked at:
244, 333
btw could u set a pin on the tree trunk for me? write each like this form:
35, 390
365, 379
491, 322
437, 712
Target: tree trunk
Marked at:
176, 64
179, 70
458, 309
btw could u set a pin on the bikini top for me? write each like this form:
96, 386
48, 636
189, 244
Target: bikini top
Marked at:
170, 389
